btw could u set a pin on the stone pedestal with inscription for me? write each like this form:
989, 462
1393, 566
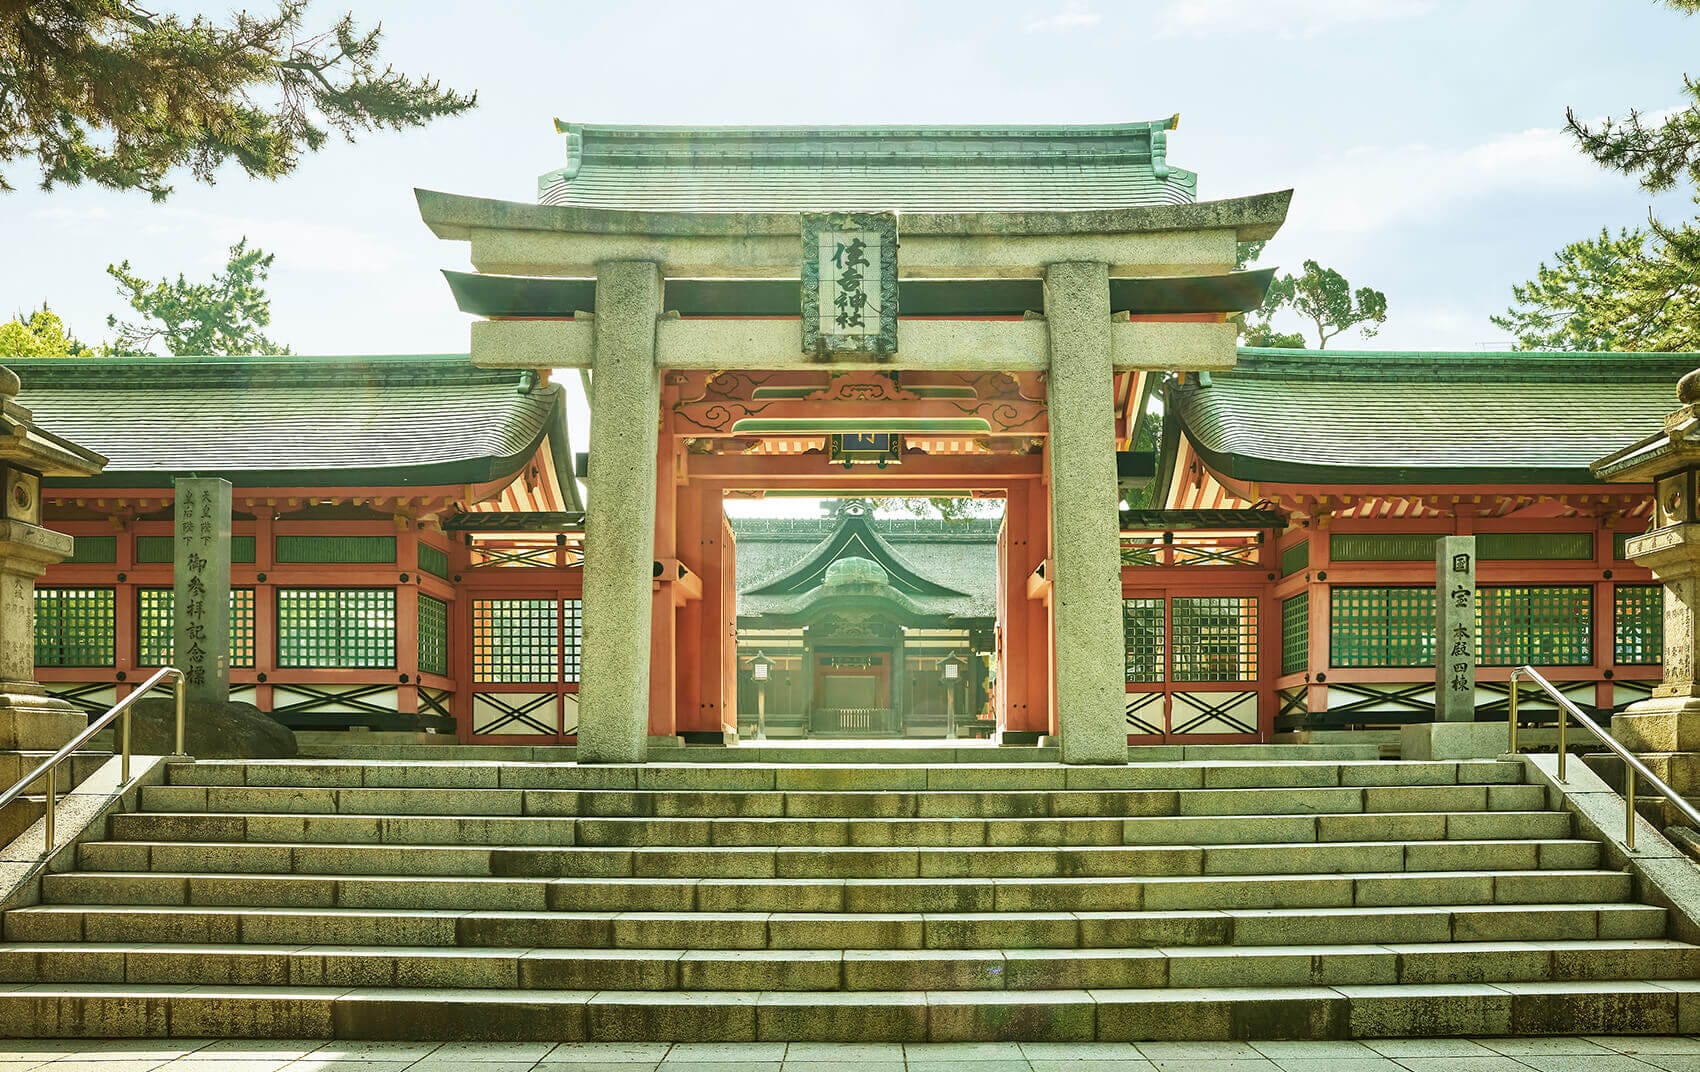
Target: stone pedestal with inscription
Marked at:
30, 719
200, 620
1454, 733
1665, 730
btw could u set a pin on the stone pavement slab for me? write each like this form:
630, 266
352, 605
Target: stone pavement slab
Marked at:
1560, 1054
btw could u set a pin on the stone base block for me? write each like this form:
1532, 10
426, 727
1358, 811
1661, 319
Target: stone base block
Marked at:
35, 721
1662, 724
1453, 740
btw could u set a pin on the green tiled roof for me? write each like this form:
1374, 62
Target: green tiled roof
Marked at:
1334, 417
906, 169
429, 420
955, 563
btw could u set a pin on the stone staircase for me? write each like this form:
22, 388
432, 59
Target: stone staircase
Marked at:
799, 901
16, 763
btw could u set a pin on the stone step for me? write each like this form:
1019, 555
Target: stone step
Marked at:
56, 1010
839, 895
348, 746
810, 930
847, 969
14, 764
347, 774
837, 862
876, 832
925, 804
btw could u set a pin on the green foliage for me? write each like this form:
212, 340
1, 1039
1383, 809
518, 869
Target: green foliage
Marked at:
106, 91
1324, 297
948, 507
1659, 154
223, 316
1321, 295
1634, 291
1641, 289
1149, 437
41, 334
1261, 333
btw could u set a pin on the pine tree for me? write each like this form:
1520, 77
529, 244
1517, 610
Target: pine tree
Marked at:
106, 91
224, 316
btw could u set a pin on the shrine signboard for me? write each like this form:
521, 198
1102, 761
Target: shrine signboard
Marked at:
849, 283
1455, 629
200, 620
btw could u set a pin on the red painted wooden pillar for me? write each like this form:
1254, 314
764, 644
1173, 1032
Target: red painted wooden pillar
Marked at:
407, 617
1317, 606
1605, 614
1022, 678
663, 617
688, 635
728, 623
265, 605
711, 665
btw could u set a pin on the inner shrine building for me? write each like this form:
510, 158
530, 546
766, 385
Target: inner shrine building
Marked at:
1187, 540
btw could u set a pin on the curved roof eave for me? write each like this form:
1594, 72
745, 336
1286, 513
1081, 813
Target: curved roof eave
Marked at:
455, 216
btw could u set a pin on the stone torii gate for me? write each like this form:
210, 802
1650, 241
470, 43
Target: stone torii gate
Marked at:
1076, 343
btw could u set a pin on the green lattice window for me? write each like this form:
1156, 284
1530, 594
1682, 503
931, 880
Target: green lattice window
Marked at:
1143, 634
1381, 547
572, 623
1381, 627
323, 628
1639, 624
1295, 558
1543, 546
154, 607
1620, 545
94, 549
1214, 638
434, 560
75, 627
433, 635
1546, 625
516, 640
158, 549
335, 549
1295, 634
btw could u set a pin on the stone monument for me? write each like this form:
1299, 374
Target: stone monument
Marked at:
1665, 730
1454, 733
30, 719
200, 619
1455, 629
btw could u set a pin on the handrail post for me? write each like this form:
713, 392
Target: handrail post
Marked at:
50, 801
182, 694
1563, 752
1513, 706
124, 757
1629, 807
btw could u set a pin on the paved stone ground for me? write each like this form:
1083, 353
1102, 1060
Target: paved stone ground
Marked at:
1671, 1054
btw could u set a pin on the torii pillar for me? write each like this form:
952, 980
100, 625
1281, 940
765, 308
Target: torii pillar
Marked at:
619, 522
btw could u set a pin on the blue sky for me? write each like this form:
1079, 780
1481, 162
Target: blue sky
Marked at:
1422, 136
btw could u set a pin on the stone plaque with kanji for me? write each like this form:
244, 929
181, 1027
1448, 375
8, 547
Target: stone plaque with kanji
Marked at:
850, 283
200, 620
1455, 629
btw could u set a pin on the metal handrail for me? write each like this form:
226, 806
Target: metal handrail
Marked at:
1632, 766
50, 766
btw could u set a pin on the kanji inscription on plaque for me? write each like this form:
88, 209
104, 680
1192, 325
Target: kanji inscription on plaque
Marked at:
849, 283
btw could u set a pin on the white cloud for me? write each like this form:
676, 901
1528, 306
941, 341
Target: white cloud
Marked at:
1281, 18
298, 246
1369, 189
1074, 15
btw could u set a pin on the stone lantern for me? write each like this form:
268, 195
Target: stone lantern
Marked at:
30, 719
1665, 730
